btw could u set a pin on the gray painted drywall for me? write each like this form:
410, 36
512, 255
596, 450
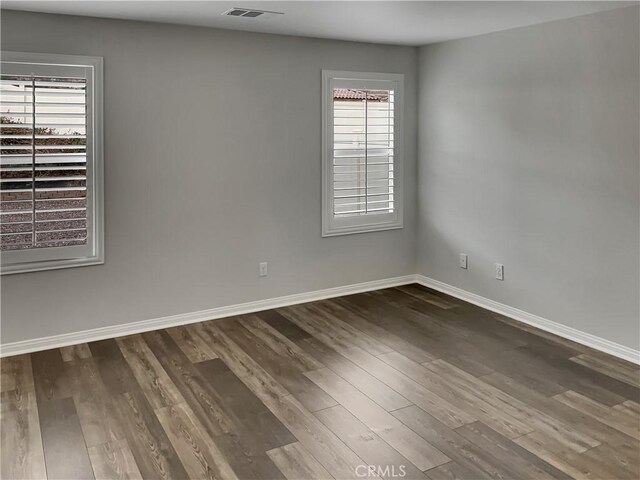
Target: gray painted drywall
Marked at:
529, 156
212, 164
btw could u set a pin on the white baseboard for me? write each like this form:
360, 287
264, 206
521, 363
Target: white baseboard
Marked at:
65, 339
563, 331
102, 333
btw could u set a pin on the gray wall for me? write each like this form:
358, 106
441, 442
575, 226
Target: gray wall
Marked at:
529, 156
212, 164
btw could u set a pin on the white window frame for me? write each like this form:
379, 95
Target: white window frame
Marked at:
49, 258
332, 226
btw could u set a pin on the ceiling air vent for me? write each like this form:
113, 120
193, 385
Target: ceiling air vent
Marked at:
249, 12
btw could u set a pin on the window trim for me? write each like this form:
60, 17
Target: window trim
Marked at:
332, 226
96, 210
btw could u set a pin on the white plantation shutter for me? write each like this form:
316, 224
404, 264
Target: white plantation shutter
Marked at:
361, 160
363, 148
49, 164
43, 162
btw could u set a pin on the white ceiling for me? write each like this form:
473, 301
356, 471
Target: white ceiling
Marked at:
394, 22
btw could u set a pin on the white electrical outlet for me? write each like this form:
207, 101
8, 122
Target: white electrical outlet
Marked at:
463, 260
499, 271
263, 269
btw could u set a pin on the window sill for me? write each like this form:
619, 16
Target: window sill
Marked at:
50, 265
353, 229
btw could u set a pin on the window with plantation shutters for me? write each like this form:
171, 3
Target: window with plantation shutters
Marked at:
50, 162
362, 169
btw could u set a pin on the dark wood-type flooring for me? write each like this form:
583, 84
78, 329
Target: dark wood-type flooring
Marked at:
414, 383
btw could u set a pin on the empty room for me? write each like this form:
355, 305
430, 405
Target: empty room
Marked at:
314, 240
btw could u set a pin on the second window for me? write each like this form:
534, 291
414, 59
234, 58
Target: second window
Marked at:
362, 169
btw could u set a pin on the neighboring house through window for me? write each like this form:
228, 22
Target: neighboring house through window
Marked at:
362, 161
50, 161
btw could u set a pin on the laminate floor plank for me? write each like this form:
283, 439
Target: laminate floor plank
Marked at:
629, 407
410, 445
613, 363
252, 419
464, 396
432, 336
151, 448
323, 444
199, 454
21, 451
334, 455
477, 329
510, 455
368, 445
278, 366
231, 354
389, 318
606, 461
93, 403
553, 445
552, 428
428, 296
64, 447
541, 336
7, 382
452, 471
75, 352
595, 385
429, 336
568, 462
621, 421
244, 452
65, 452
359, 319
463, 452
276, 321
473, 321
336, 328
377, 391
191, 385
152, 378
114, 369
296, 463
612, 369
528, 369
446, 323
15, 372
279, 343
114, 461
403, 382
50, 377
356, 317
191, 344
581, 423
529, 361
153, 453
602, 462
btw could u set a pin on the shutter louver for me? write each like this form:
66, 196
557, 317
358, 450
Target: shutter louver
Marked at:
43, 162
363, 152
